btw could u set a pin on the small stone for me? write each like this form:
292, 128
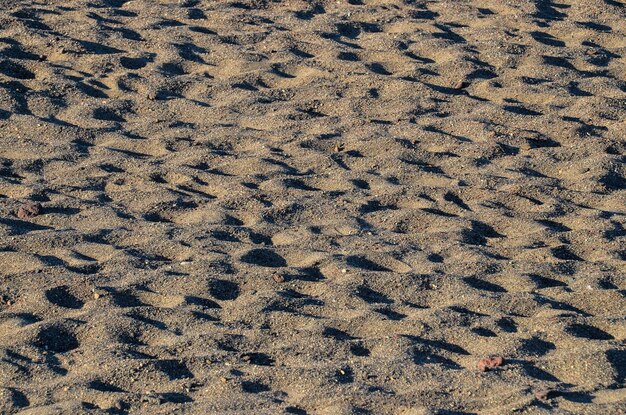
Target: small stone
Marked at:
29, 210
490, 363
278, 278
461, 84
98, 293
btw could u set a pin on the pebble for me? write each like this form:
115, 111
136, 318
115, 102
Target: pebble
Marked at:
29, 210
461, 85
490, 363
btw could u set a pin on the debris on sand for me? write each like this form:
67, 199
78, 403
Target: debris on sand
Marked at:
29, 210
489, 363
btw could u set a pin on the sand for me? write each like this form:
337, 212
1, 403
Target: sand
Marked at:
312, 207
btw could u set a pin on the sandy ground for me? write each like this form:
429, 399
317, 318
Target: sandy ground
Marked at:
312, 207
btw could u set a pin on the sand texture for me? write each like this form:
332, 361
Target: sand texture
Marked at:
312, 207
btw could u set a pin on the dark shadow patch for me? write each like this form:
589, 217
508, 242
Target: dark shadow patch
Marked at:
451, 197
554, 226
337, 334
507, 325
545, 282
617, 360
344, 375
351, 31
435, 258
264, 258
421, 357
201, 302
104, 387
478, 233
536, 347
20, 227
612, 180
372, 296
246, 86
224, 236
348, 56
390, 314
62, 297
298, 184
357, 349
585, 331
172, 69
547, 39
258, 359
558, 62
578, 397
519, 110
439, 212
375, 206
365, 264
106, 114
57, 339
574, 90
539, 374
17, 398
294, 410
565, 253
548, 11
479, 284
15, 70
447, 34
133, 63
224, 290
174, 369
378, 68
254, 386
123, 299
175, 397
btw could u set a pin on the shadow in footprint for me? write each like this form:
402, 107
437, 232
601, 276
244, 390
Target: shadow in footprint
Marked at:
19, 227
104, 387
15, 70
224, 290
264, 258
378, 68
17, 398
62, 297
372, 296
478, 233
480, 284
547, 39
175, 397
617, 360
174, 369
254, 387
537, 373
536, 347
365, 264
57, 338
344, 375
565, 253
337, 334
588, 332
390, 314
201, 302
258, 359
